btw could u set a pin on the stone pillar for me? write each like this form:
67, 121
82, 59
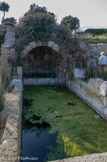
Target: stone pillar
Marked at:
8, 52
19, 72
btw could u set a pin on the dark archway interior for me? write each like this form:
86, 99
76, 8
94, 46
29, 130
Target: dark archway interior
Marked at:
43, 60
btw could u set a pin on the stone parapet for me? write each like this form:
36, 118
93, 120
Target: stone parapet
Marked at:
10, 143
102, 157
43, 81
94, 93
8, 52
10, 119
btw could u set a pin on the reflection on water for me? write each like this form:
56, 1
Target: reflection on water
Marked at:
38, 143
78, 131
37, 147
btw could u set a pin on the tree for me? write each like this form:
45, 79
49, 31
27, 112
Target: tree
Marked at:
4, 7
10, 21
72, 23
37, 23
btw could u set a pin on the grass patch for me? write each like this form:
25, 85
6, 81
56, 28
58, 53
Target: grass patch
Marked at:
91, 36
94, 38
79, 133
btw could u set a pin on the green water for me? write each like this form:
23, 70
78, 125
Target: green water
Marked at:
78, 131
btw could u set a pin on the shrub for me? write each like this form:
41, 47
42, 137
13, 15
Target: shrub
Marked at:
37, 26
10, 21
96, 31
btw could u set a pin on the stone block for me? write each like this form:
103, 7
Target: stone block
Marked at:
51, 44
79, 73
105, 112
28, 49
94, 84
105, 101
10, 147
32, 45
24, 53
4, 60
9, 43
7, 51
103, 89
38, 44
18, 87
7, 71
10, 132
19, 72
56, 48
12, 100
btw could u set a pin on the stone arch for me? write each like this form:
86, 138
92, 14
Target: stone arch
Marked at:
33, 45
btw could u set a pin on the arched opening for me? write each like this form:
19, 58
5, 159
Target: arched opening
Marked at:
43, 61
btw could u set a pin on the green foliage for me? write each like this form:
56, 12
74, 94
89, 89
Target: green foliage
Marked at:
61, 32
4, 7
37, 27
10, 21
72, 23
79, 133
37, 9
96, 31
92, 38
37, 24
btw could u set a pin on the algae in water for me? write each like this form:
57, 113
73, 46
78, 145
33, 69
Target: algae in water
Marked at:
79, 133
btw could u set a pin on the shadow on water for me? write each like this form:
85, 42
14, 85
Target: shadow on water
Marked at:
37, 142
78, 131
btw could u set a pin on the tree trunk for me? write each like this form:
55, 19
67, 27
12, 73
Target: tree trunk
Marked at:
3, 17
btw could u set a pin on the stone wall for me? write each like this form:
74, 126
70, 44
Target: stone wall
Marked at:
8, 51
94, 93
100, 47
10, 119
43, 81
3, 29
33, 45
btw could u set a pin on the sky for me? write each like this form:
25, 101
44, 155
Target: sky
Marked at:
91, 13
